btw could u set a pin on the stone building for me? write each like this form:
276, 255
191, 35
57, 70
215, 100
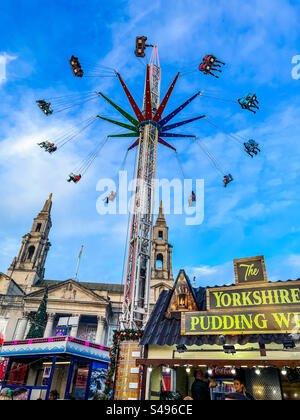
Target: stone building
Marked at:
89, 311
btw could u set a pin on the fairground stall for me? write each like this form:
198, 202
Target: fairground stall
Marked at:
74, 368
248, 329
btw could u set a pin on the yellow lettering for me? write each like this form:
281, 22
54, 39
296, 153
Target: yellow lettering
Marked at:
194, 322
276, 291
267, 295
228, 326
228, 298
237, 322
202, 319
250, 271
264, 322
257, 297
295, 295
213, 324
284, 295
246, 298
236, 299
281, 319
218, 298
248, 322
297, 319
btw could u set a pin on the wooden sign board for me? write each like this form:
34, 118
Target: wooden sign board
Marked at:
281, 321
250, 270
251, 296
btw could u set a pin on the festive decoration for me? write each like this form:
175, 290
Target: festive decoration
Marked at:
38, 326
119, 336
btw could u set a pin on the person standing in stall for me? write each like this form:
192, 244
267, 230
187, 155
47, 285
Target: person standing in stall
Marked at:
200, 388
240, 388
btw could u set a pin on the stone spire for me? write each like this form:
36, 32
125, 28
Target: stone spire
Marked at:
46, 210
161, 265
29, 267
161, 221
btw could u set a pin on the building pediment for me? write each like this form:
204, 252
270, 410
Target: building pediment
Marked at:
161, 284
9, 286
4, 284
70, 291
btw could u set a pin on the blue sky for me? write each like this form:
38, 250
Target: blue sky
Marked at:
257, 215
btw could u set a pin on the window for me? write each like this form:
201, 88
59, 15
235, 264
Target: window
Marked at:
38, 227
30, 253
159, 261
160, 234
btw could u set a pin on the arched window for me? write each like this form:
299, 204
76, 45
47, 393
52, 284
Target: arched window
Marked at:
30, 253
159, 261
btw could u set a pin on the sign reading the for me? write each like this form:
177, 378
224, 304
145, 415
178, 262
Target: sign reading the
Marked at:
215, 323
250, 270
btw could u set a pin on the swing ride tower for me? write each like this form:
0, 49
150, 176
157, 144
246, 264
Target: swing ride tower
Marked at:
149, 128
137, 282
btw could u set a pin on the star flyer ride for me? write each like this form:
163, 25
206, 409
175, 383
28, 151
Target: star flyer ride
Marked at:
149, 127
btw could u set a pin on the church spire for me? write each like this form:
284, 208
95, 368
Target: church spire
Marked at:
161, 221
47, 207
29, 267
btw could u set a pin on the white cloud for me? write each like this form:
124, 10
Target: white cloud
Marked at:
4, 60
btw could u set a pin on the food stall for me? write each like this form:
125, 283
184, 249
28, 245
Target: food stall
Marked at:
249, 329
76, 369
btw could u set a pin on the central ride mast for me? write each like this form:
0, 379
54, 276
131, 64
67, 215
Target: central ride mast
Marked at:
136, 307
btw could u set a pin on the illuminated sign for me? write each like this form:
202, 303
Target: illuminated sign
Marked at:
271, 294
252, 322
253, 306
250, 270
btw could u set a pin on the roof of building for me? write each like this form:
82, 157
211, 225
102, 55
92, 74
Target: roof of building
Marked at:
107, 287
167, 332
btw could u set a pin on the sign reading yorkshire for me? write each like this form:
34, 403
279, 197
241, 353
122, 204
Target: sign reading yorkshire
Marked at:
261, 308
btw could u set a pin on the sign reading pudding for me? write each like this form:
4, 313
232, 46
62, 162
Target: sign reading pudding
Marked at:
250, 270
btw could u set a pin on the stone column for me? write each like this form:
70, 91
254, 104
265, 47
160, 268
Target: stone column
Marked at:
21, 329
74, 329
100, 330
49, 327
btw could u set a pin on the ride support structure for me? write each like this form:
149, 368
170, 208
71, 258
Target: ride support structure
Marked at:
137, 282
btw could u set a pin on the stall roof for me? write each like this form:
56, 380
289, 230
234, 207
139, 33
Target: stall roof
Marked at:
167, 332
55, 345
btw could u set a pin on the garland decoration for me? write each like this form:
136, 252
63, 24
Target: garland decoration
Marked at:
119, 336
